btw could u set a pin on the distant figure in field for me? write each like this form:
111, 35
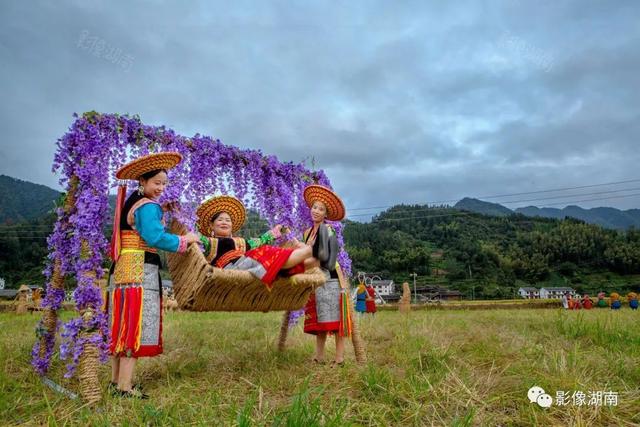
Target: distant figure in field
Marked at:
361, 298
602, 303
371, 300
586, 302
577, 303
615, 301
632, 297
565, 301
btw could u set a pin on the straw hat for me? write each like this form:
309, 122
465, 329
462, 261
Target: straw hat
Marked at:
138, 167
214, 206
23, 288
335, 207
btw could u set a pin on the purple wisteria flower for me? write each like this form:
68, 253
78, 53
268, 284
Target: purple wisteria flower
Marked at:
95, 146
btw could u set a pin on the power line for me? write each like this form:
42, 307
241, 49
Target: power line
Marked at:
510, 195
595, 200
462, 213
22, 238
527, 200
36, 229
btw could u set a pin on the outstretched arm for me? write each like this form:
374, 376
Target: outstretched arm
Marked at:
266, 239
148, 221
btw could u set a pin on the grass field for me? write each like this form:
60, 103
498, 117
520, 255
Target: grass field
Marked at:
453, 368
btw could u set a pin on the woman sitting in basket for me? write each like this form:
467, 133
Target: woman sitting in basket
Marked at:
220, 217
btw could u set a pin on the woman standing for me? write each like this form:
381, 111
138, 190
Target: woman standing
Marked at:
361, 299
135, 300
327, 311
371, 299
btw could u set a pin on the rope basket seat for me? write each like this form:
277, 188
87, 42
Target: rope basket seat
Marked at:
198, 286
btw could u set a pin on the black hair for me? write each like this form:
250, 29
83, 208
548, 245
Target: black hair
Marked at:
213, 218
135, 196
152, 173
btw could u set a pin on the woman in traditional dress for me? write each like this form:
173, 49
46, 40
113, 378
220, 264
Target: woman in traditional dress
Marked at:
135, 291
632, 297
615, 301
371, 299
361, 298
327, 311
602, 302
220, 217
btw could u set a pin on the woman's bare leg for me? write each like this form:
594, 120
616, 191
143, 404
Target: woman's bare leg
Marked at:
310, 263
321, 339
127, 366
298, 256
115, 369
339, 348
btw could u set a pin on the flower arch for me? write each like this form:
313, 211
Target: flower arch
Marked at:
87, 156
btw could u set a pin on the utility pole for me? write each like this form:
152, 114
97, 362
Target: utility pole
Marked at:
415, 293
473, 286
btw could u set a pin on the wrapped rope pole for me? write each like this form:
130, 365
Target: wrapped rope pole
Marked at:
90, 389
50, 314
356, 340
284, 331
89, 363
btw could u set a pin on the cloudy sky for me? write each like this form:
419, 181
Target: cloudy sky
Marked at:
410, 102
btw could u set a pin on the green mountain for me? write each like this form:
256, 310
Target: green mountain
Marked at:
489, 255
479, 206
606, 217
492, 256
24, 201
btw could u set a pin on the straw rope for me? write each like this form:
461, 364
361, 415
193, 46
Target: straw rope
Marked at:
88, 372
200, 287
284, 330
405, 301
21, 303
356, 340
90, 388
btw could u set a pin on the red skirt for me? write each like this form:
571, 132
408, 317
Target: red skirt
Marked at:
127, 323
371, 306
272, 259
323, 314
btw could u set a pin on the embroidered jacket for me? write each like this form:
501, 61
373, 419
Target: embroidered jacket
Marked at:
220, 251
142, 234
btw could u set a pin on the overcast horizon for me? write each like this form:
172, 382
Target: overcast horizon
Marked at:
412, 102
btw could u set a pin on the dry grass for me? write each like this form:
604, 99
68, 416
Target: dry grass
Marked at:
428, 368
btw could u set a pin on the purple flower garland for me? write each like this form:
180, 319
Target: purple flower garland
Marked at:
95, 146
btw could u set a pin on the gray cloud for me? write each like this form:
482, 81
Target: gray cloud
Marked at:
408, 102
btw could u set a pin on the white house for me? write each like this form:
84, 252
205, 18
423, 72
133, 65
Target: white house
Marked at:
383, 287
529, 293
546, 293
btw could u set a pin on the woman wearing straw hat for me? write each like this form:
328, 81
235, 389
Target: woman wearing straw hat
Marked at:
327, 311
135, 303
220, 217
